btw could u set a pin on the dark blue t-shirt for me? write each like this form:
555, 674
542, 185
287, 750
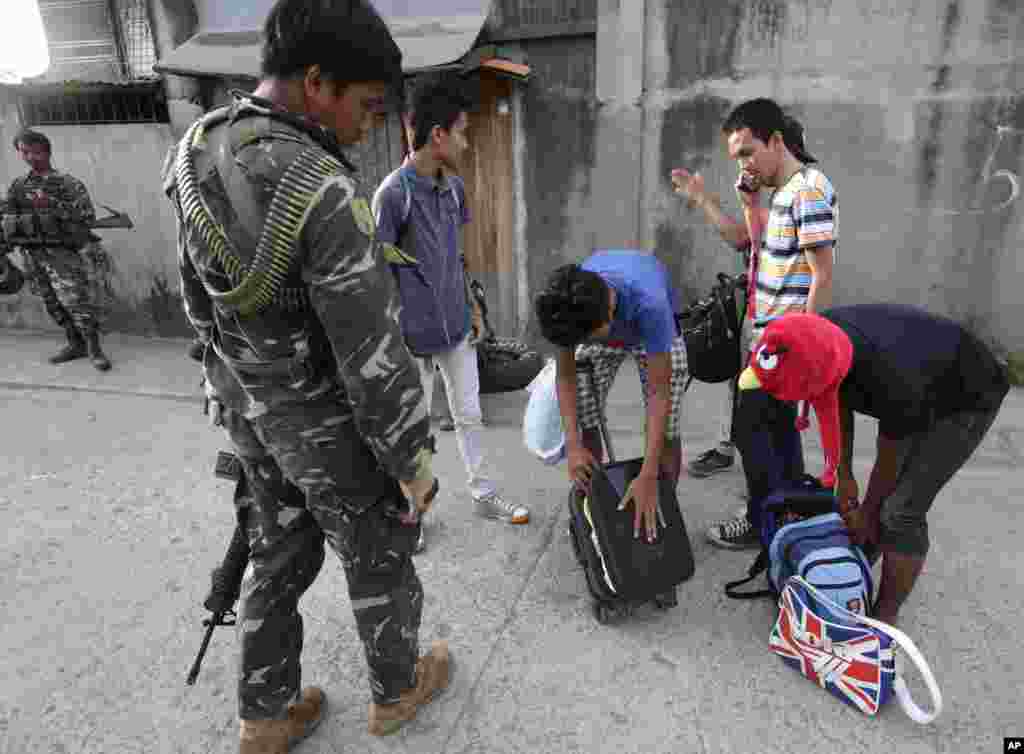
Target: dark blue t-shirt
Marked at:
911, 368
646, 302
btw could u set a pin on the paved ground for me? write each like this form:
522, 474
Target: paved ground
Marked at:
111, 520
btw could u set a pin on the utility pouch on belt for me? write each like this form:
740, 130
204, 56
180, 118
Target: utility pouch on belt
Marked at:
20, 229
228, 466
49, 226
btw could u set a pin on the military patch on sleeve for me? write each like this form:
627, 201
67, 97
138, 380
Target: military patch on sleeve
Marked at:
364, 217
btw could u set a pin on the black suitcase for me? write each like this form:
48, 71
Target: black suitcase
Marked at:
622, 571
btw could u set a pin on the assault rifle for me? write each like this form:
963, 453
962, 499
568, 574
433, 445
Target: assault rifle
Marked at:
42, 228
226, 580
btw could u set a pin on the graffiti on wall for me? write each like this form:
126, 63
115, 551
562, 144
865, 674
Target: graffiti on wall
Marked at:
999, 188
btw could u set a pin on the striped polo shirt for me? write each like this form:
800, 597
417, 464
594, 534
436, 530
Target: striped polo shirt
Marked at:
804, 216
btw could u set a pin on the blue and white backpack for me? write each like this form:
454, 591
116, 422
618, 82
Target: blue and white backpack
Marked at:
802, 534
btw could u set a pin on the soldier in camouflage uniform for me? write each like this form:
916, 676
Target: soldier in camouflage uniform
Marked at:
284, 280
48, 214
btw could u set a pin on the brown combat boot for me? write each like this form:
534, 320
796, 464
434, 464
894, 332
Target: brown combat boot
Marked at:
277, 736
96, 355
75, 349
433, 671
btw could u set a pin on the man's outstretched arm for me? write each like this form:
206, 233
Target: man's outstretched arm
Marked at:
692, 187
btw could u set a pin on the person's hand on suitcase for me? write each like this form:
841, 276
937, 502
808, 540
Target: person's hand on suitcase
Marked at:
581, 465
643, 492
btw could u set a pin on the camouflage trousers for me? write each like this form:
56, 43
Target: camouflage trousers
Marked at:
313, 479
70, 284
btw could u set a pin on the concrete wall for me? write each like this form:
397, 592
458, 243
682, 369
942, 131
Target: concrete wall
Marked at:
903, 103
120, 165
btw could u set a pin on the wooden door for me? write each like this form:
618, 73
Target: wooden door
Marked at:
487, 169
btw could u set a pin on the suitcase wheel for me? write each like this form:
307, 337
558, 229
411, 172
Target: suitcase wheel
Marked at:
666, 600
607, 612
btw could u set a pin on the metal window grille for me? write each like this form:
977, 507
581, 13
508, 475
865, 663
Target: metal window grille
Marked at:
138, 49
71, 104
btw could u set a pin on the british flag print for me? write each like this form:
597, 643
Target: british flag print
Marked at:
851, 661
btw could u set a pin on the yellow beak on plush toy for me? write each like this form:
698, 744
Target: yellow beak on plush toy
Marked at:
749, 380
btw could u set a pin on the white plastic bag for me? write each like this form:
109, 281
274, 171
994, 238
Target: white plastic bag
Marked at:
542, 422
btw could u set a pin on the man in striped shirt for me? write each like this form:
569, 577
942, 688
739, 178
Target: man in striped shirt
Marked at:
791, 243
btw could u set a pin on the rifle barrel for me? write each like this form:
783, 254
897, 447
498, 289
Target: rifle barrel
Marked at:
194, 672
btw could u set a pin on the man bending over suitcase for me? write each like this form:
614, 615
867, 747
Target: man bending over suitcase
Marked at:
935, 390
614, 304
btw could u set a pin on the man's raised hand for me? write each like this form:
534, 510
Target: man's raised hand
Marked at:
690, 185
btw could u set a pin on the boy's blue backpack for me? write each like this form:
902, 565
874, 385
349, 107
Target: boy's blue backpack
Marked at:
802, 534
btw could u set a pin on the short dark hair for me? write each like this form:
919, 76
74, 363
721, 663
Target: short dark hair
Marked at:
793, 136
436, 101
30, 138
572, 305
762, 116
346, 38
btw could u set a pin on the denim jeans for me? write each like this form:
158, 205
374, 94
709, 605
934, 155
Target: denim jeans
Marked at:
769, 444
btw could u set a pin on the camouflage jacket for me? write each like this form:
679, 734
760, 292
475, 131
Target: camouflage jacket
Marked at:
333, 322
66, 198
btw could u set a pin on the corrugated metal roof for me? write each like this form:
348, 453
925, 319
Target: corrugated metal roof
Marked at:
81, 40
228, 43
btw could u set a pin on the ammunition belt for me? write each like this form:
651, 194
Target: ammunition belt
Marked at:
260, 283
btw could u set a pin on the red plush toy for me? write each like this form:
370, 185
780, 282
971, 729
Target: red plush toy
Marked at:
805, 357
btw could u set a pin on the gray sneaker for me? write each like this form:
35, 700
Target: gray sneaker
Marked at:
709, 462
734, 534
495, 506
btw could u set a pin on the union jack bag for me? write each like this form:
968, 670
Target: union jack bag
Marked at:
851, 656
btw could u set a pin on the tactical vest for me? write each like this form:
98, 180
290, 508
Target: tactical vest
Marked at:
41, 228
267, 279
258, 281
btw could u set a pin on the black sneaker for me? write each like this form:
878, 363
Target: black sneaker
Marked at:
734, 534
709, 462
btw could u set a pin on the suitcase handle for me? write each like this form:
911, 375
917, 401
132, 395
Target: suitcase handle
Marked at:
588, 368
